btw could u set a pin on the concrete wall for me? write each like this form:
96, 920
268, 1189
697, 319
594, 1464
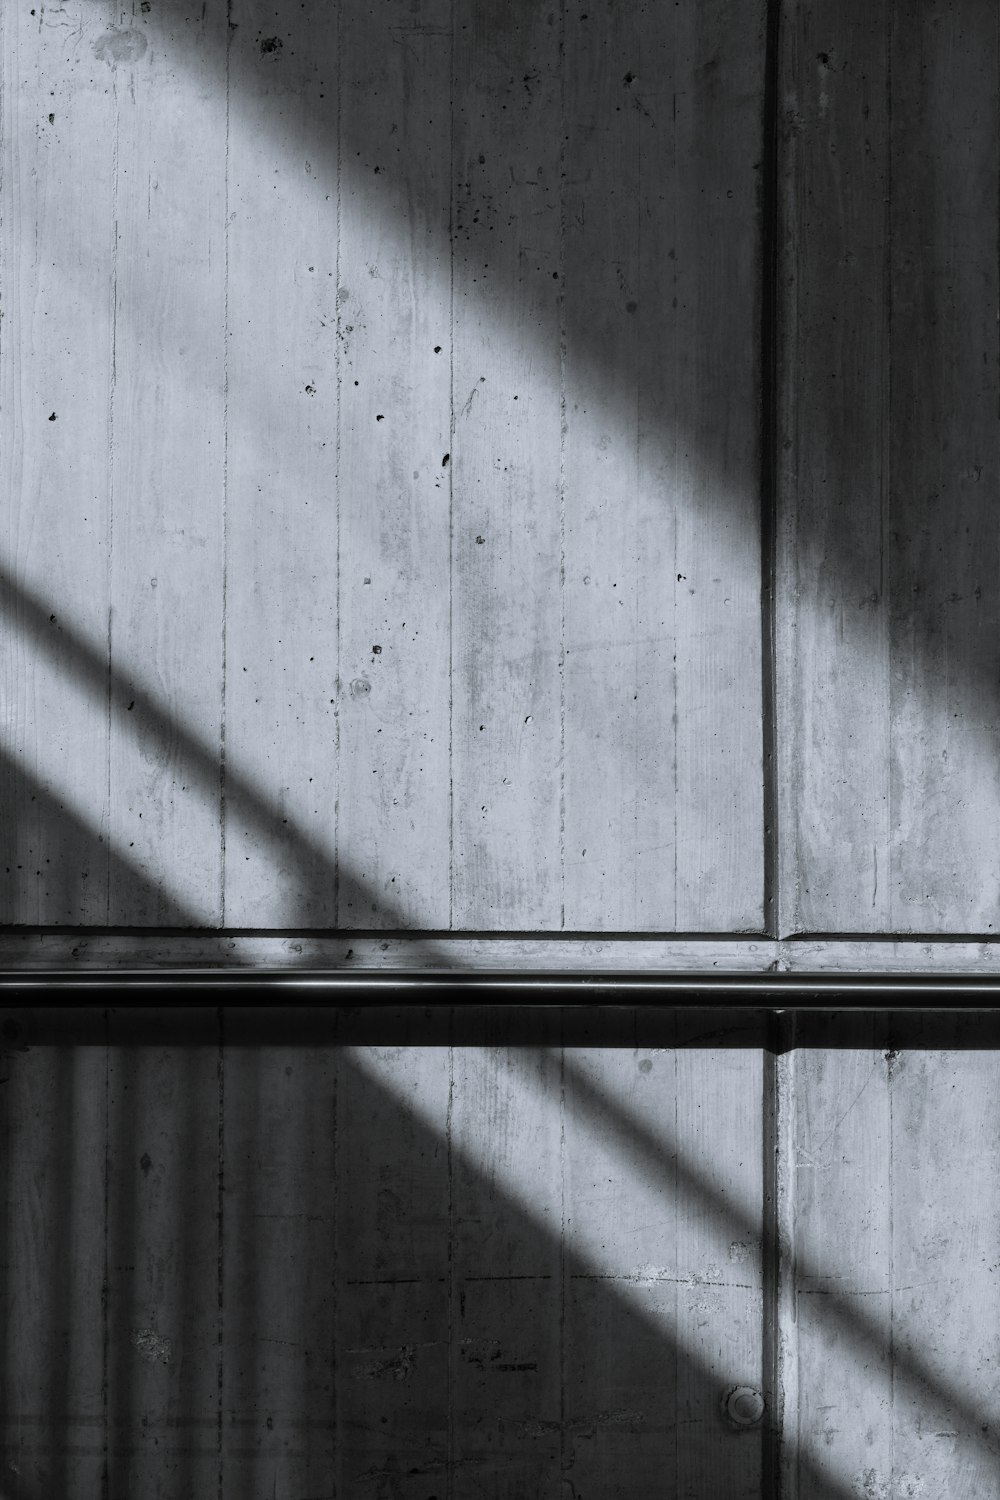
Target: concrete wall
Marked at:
386, 552
406, 413
887, 616
397, 1255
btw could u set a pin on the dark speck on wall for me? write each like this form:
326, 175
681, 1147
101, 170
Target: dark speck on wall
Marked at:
380, 416
480, 540
376, 650
145, 1163
272, 44
53, 417
445, 460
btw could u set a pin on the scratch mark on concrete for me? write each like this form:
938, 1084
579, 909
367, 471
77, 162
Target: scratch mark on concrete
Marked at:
841, 1118
398, 1366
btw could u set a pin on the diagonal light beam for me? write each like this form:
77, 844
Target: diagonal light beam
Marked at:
820, 1482
911, 1372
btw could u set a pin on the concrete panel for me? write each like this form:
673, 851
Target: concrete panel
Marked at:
360, 1258
887, 663
277, 1286
167, 407
506, 414
161, 1242
888, 1191
299, 632
279, 777
663, 745
55, 1362
394, 373
57, 244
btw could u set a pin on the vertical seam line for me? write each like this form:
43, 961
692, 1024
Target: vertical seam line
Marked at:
112, 393
563, 1370
106, 1270
451, 467
770, 1286
886, 430
563, 429
449, 1125
225, 487
220, 1240
339, 380
768, 355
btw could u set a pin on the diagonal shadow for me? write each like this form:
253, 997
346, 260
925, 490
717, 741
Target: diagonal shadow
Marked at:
478, 1023
316, 873
402, 1191
365, 156
265, 90
396, 1325
267, 86
75, 870
912, 1372
349, 143
887, 319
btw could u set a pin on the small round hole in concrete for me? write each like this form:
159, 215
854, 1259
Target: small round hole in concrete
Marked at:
742, 1406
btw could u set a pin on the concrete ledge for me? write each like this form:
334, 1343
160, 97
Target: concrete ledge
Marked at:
372, 954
